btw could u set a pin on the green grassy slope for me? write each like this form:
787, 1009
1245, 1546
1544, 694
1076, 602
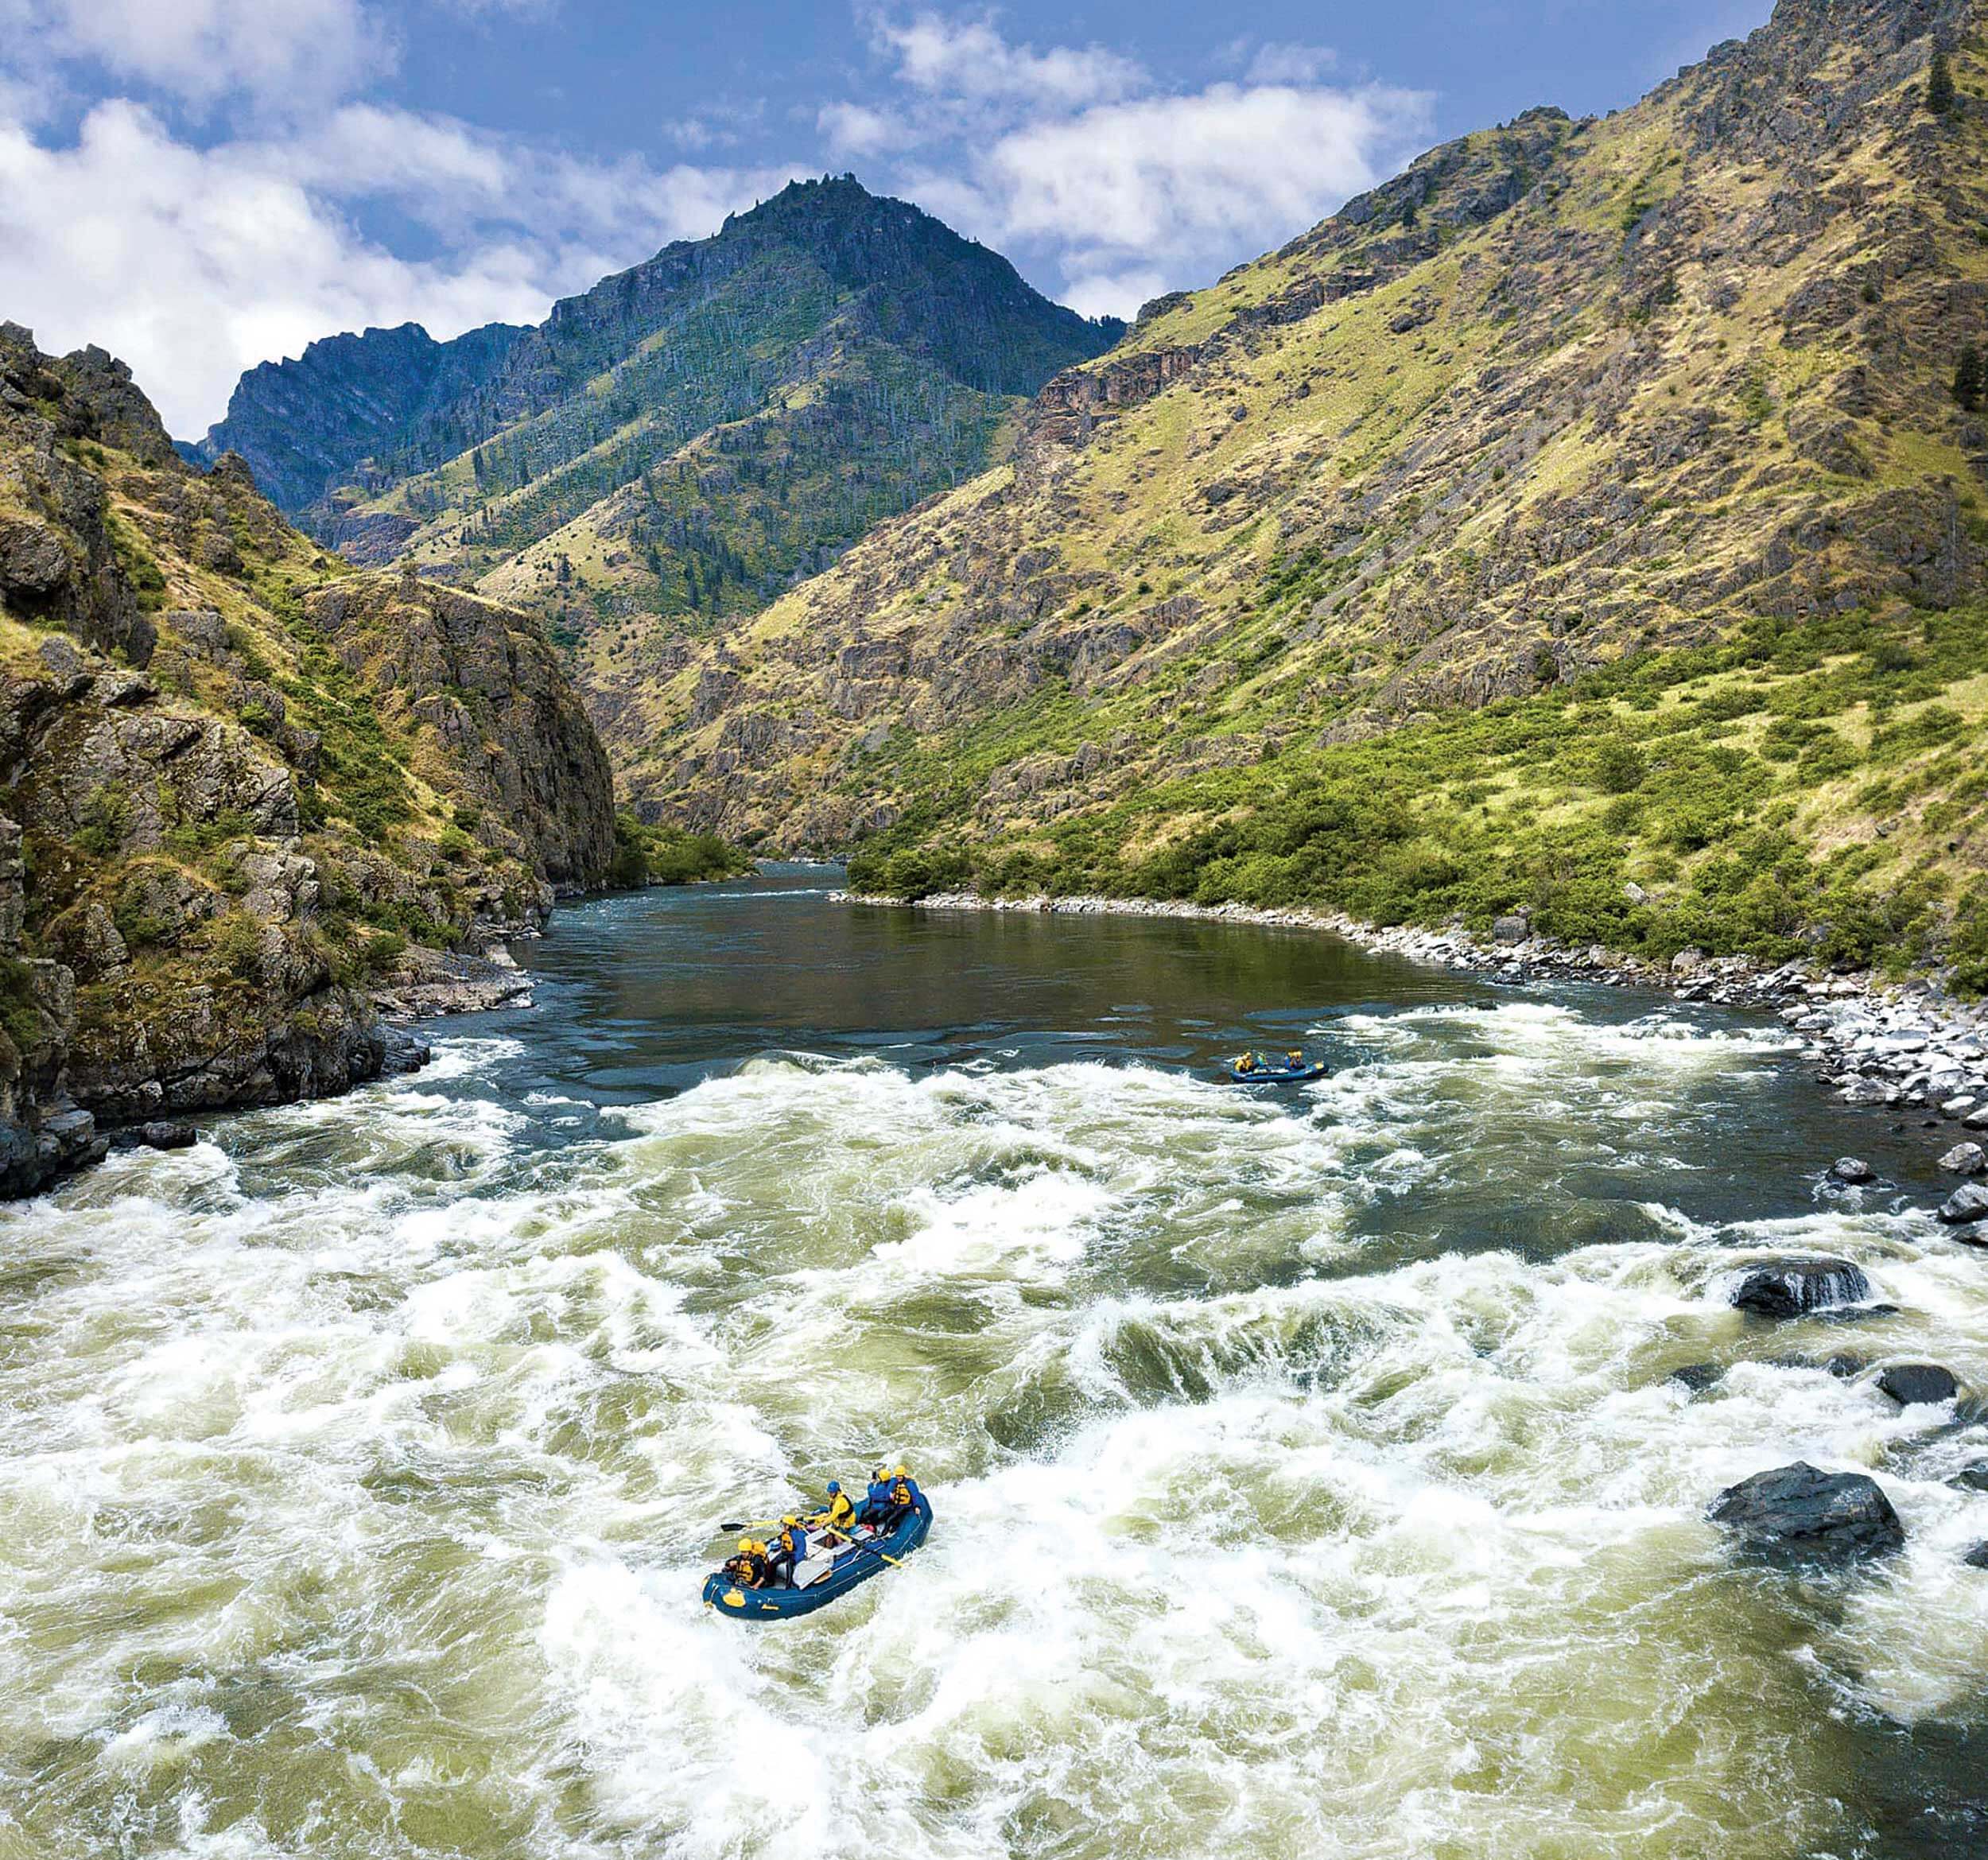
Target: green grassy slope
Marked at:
1332, 580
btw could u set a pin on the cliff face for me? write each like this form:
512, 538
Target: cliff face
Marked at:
475, 685
240, 788
679, 445
1564, 396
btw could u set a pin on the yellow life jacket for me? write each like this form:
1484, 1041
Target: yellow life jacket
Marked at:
838, 1510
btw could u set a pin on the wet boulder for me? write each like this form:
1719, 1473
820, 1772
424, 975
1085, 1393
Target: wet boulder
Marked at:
1792, 1288
1852, 1171
1910, 1384
1976, 1558
160, 1134
406, 1051
1965, 1206
1973, 1479
1966, 1159
1800, 1511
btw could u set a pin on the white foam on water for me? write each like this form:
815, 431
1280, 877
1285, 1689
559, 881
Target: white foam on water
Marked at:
378, 1492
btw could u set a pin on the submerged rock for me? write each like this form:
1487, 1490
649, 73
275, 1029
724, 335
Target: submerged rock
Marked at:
1698, 1377
159, 1134
1973, 1479
1976, 1558
1801, 1511
1910, 1384
1791, 1288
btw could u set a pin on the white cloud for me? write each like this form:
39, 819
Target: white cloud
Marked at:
1292, 65
969, 58
1082, 164
854, 131
294, 51
1166, 174
194, 264
1115, 293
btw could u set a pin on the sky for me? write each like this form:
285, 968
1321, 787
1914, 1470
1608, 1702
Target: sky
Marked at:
199, 185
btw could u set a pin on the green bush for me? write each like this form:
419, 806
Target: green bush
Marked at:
1619, 768
911, 875
669, 856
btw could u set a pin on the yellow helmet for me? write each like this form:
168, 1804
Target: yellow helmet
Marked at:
745, 1546
790, 1520
902, 1473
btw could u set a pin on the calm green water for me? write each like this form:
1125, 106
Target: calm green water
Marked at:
1308, 1479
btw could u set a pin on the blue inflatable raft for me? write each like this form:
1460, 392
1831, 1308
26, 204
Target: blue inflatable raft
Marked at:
1306, 1074
824, 1576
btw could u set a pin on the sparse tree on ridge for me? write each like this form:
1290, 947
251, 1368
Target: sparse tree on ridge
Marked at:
1971, 378
1940, 94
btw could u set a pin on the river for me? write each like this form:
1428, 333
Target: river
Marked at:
1309, 1478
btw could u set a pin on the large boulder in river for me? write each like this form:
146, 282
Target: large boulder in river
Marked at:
1791, 1288
1853, 1172
1910, 1384
1966, 1159
1800, 1511
1964, 1206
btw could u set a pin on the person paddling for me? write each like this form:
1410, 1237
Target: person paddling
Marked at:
789, 1549
901, 1499
837, 1514
877, 1501
748, 1568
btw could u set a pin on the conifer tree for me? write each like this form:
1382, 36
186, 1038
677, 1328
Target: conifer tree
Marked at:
1971, 378
1940, 94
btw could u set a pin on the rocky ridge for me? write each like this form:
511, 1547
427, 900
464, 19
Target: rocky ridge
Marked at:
241, 789
677, 446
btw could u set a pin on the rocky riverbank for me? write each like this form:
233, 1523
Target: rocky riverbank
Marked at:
256, 807
1908, 1048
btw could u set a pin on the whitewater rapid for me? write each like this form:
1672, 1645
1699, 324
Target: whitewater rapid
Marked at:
357, 1473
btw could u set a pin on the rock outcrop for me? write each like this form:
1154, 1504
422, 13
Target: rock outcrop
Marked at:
477, 683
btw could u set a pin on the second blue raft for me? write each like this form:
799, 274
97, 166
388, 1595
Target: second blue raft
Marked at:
1280, 1074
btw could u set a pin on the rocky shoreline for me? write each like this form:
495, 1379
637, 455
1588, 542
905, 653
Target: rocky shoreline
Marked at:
1906, 1048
